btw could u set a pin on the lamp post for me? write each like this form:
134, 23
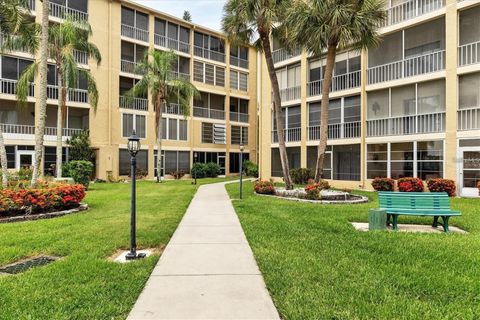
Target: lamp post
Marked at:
133, 148
195, 156
241, 170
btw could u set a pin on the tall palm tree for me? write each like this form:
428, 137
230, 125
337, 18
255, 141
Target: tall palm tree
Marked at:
157, 79
323, 27
63, 40
247, 21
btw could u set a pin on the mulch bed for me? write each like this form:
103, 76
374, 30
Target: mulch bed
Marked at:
38, 216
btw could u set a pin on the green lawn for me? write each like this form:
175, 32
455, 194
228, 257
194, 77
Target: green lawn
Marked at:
83, 284
317, 266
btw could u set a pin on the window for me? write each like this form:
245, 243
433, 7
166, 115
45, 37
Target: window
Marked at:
348, 106
209, 105
12, 68
401, 155
469, 24
215, 157
429, 159
213, 133
234, 158
346, 162
132, 52
134, 18
174, 129
160, 27
239, 56
238, 80
207, 132
132, 122
293, 154
378, 104
239, 135
50, 159
312, 154
469, 95
289, 77
209, 47
174, 161
238, 110
124, 162
208, 73
377, 160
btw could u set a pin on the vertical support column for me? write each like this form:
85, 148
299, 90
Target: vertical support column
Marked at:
451, 86
303, 109
363, 116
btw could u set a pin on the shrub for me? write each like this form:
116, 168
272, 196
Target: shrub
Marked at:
383, 184
250, 169
264, 187
45, 198
313, 189
302, 175
177, 175
80, 171
410, 185
442, 185
212, 170
198, 170
25, 173
80, 147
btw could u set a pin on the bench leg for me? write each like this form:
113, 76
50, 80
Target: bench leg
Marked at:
395, 220
389, 218
445, 223
435, 221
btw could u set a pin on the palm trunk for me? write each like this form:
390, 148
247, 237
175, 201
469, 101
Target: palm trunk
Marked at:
62, 101
278, 112
3, 160
158, 120
41, 101
327, 82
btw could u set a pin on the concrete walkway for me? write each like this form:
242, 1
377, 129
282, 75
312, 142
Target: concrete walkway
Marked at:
207, 271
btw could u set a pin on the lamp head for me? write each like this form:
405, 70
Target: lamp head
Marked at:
133, 145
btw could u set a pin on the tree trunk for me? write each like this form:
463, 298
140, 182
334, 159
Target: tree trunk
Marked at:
278, 112
158, 122
327, 82
41, 101
3, 160
62, 102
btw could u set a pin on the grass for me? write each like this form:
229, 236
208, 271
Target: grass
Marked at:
316, 266
84, 284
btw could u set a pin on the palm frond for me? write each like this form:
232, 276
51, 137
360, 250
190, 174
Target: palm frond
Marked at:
25, 82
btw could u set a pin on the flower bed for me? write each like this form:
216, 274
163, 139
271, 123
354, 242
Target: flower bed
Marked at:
43, 199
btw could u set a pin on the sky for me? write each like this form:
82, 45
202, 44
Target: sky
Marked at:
207, 13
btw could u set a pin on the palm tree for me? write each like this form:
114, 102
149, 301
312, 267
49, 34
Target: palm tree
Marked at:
157, 79
324, 27
63, 40
243, 20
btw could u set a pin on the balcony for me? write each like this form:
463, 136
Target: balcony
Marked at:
8, 86
134, 33
60, 11
468, 119
80, 57
239, 62
174, 75
73, 95
280, 55
423, 64
3, 39
347, 130
209, 54
170, 43
340, 82
129, 66
469, 54
238, 117
208, 113
289, 94
140, 104
411, 9
173, 108
291, 135
30, 130
406, 125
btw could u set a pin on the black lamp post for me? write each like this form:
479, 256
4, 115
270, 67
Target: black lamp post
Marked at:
241, 170
195, 156
133, 148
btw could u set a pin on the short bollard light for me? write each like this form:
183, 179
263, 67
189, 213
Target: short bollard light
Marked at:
241, 170
133, 148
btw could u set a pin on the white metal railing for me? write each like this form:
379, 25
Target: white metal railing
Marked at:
73, 95
128, 66
411, 9
60, 11
172, 108
31, 5
52, 92
238, 117
134, 103
209, 54
288, 94
30, 129
469, 53
282, 54
134, 33
80, 57
208, 113
178, 75
3, 39
415, 124
291, 135
339, 82
239, 62
170, 43
427, 63
468, 119
8, 86
347, 130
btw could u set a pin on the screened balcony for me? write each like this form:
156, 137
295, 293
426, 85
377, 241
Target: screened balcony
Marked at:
209, 47
172, 36
76, 9
292, 125
134, 24
238, 110
210, 106
411, 52
132, 103
131, 56
173, 108
469, 37
403, 10
289, 82
468, 114
239, 57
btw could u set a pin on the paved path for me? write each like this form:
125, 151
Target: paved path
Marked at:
207, 271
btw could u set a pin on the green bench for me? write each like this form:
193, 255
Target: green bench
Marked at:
433, 204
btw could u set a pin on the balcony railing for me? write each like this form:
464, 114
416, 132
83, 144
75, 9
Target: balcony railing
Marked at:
60, 11
73, 95
238, 117
340, 82
135, 103
289, 94
469, 53
208, 113
170, 43
347, 130
30, 129
468, 119
31, 5
80, 57
427, 63
129, 66
280, 55
291, 135
134, 33
239, 62
172, 108
411, 9
398, 126
179, 75
8, 86
209, 54
3, 39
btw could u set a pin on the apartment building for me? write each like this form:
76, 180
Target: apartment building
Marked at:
221, 119
410, 107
